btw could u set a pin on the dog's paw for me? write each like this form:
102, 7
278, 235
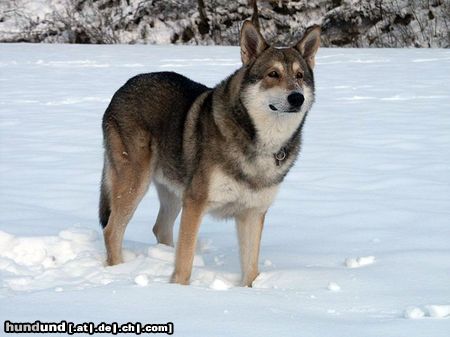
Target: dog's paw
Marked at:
176, 278
247, 280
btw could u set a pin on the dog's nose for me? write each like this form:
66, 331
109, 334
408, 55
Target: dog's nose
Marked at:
296, 99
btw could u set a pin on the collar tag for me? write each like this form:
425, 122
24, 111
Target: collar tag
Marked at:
280, 156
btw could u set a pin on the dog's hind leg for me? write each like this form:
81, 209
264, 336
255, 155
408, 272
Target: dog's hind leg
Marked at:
249, 225
127, 175
170, 206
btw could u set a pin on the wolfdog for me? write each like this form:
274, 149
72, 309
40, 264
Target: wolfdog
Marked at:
222, 150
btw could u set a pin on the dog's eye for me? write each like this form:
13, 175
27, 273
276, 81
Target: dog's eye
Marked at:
299, 75
274, 74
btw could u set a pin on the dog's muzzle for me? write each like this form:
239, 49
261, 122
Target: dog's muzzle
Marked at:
295, 100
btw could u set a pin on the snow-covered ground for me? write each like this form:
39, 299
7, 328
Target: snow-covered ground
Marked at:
357, 243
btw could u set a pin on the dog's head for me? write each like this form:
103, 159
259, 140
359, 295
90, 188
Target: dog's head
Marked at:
279, 80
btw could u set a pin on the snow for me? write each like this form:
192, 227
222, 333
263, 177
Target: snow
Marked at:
438, 311
219, 284
414, 313
434, 311
372, 187
333, 286
141, 280
358, 262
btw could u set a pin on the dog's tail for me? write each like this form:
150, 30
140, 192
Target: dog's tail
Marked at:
104, 210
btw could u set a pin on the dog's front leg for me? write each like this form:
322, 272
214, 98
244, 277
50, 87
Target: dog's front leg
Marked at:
190, 222
249, 224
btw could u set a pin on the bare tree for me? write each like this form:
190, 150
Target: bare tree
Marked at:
203, 26
255, 15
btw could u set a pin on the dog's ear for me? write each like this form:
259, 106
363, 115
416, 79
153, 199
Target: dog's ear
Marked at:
309, 44
251, 41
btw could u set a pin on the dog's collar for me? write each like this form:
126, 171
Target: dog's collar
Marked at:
280, 156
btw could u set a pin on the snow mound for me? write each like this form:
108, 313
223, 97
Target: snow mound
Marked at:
141, 280
438, 311
359, 261
75, 259
433, 311
333, 286
220, 284
414, 313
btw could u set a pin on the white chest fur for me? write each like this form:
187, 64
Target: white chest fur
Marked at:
274, 130
226, 196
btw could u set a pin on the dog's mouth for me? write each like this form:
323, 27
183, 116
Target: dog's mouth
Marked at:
274, 108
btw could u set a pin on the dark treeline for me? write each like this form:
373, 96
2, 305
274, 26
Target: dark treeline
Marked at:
345, 23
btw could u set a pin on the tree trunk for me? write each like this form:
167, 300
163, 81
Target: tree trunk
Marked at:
203, 26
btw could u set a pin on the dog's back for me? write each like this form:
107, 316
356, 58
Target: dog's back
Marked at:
153, 101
